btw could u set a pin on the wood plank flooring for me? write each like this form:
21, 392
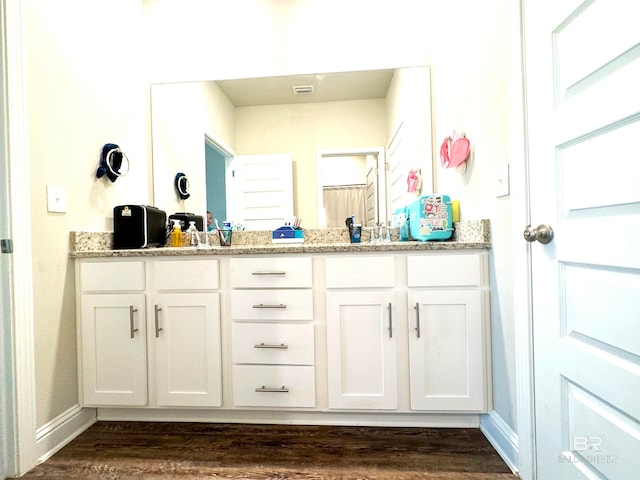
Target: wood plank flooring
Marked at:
124, 450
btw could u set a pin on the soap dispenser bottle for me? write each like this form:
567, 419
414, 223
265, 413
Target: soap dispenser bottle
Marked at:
192, 232
176, 234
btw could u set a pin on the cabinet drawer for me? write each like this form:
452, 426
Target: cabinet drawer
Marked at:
272, 272
112, 276
357, 272
273, 386
444, 270
196, 274
272, 343
272, 304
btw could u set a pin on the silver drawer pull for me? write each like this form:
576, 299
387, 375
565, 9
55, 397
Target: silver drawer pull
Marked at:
262, 305
269, 273
264, 389
281, 346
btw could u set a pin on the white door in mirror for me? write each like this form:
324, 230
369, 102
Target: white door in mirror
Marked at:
262, 189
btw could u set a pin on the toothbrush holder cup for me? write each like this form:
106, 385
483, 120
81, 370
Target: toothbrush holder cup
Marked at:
225, 237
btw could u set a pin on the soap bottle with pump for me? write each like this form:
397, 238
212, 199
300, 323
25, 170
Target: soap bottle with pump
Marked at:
176, 234
192, 232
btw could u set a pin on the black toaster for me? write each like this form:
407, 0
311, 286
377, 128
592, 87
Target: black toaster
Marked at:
138, 226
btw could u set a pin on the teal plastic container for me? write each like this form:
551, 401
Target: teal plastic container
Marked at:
430, 218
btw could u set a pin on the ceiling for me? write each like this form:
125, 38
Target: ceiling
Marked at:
328, 87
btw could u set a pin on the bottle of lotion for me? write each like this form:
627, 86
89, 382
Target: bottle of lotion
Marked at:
176, 234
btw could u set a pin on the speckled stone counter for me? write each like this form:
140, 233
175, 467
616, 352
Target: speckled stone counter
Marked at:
467, 235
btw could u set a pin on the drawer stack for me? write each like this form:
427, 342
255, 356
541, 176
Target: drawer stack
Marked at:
272, 332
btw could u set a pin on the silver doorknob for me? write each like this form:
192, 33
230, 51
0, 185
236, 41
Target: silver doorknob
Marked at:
542, 233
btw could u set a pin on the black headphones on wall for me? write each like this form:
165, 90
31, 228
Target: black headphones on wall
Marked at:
181, 185
111, 159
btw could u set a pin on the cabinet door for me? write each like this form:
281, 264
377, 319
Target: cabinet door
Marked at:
184, 333
361, 347
113, 349
447, 351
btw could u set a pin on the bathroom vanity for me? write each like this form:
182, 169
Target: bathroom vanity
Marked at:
336, 333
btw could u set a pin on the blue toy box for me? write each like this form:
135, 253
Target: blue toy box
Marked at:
287, 234
430, 218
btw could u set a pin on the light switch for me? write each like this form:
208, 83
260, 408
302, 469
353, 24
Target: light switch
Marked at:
56, 199
502, 180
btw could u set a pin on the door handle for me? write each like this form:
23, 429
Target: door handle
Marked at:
158, 327
542, 233
6, 245
132, 330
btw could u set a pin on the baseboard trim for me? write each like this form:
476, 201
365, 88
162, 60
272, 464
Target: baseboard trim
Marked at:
54, 435
502, 438
350, 418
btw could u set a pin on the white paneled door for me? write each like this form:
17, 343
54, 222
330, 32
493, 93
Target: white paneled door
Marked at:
7, 375
262, 190
583, 107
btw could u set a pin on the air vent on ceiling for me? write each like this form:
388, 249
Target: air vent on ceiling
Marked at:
302, 89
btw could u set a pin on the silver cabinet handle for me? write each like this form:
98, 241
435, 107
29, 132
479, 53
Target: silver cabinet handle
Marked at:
418, 318
280, 346
262, 305
264, 389
269, 273
390, 321
131, 320
158, 329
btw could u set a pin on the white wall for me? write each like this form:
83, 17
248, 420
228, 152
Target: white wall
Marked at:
470, 94
254, 38
85, 88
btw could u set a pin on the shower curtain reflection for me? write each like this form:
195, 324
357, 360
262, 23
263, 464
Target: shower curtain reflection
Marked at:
342, 201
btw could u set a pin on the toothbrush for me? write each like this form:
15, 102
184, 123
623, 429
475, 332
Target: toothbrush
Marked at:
219, 231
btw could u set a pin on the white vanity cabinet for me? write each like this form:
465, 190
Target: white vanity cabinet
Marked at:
112, 332
149, 332
361, 301
272, 331
447, 332
366, 336
184, 333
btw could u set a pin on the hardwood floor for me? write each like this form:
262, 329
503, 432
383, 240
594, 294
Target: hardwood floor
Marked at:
123, 450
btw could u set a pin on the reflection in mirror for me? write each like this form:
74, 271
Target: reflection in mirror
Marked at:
343, 115
352, 183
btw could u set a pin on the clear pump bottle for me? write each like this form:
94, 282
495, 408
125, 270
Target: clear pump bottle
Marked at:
192, 232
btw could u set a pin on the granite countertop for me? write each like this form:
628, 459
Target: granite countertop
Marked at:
467, 235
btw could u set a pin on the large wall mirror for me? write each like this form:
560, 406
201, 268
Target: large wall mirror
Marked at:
344, 140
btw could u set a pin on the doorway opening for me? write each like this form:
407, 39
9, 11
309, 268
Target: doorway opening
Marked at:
217, 162
351, 182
